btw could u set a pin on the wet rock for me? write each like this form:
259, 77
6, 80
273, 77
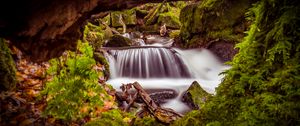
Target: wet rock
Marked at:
118, 41
195, 96
161, 96
224, 50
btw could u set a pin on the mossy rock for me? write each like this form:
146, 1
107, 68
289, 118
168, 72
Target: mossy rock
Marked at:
212, 16
174, 33
128, 16
170, 19
107, 19
94, 35
195, 96
99, 57
118, 41
7, 68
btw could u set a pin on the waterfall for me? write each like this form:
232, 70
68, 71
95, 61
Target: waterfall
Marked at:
147, 63
156, 65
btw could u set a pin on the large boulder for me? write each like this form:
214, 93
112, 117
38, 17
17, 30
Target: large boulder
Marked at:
118, 41
213, 19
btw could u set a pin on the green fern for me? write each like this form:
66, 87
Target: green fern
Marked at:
74, 92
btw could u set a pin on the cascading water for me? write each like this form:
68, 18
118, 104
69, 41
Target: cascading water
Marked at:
165, 68
148, 63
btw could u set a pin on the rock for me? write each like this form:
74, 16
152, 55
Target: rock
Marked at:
7, 68
213, 20
99, 57
195, 96
118, 41
47, 30
161, 96
170, 19
128, 17
94, 35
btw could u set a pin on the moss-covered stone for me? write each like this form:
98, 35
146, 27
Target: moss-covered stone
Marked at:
99, 57
170, 19
174, 33
94, 35
212, 18
118, 41
7, 68
195, 96
128, 17
164, 13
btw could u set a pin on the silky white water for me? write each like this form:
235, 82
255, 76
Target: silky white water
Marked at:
155, 65
165, 68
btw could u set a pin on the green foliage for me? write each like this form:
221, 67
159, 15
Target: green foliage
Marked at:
7, 68
113, 117
74, 92
147, 121
262, 87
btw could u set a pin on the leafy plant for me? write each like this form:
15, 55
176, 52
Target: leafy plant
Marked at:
262, 87
74, 91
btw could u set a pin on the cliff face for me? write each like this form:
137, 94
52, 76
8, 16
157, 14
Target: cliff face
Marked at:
44, 29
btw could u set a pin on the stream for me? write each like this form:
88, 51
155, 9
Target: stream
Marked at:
158, 66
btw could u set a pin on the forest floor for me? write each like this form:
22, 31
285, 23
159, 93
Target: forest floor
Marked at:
24, 105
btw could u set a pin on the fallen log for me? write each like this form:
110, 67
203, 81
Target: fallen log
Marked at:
164, 115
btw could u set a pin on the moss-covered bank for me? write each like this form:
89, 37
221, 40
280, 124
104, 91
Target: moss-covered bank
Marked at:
262, 87
213, 19
7, 68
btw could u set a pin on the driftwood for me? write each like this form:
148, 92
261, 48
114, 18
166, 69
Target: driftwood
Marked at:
164, 115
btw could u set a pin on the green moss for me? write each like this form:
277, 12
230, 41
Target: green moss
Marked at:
99, 57
94, 35
262, 87
147, 121
174, 33
164, 13
7, 68
211, 16
118, 41
170, 19
152, 17
225, 34
111, 118
128, 16
196, 96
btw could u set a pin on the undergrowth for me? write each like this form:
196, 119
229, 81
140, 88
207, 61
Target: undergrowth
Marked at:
74, 92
